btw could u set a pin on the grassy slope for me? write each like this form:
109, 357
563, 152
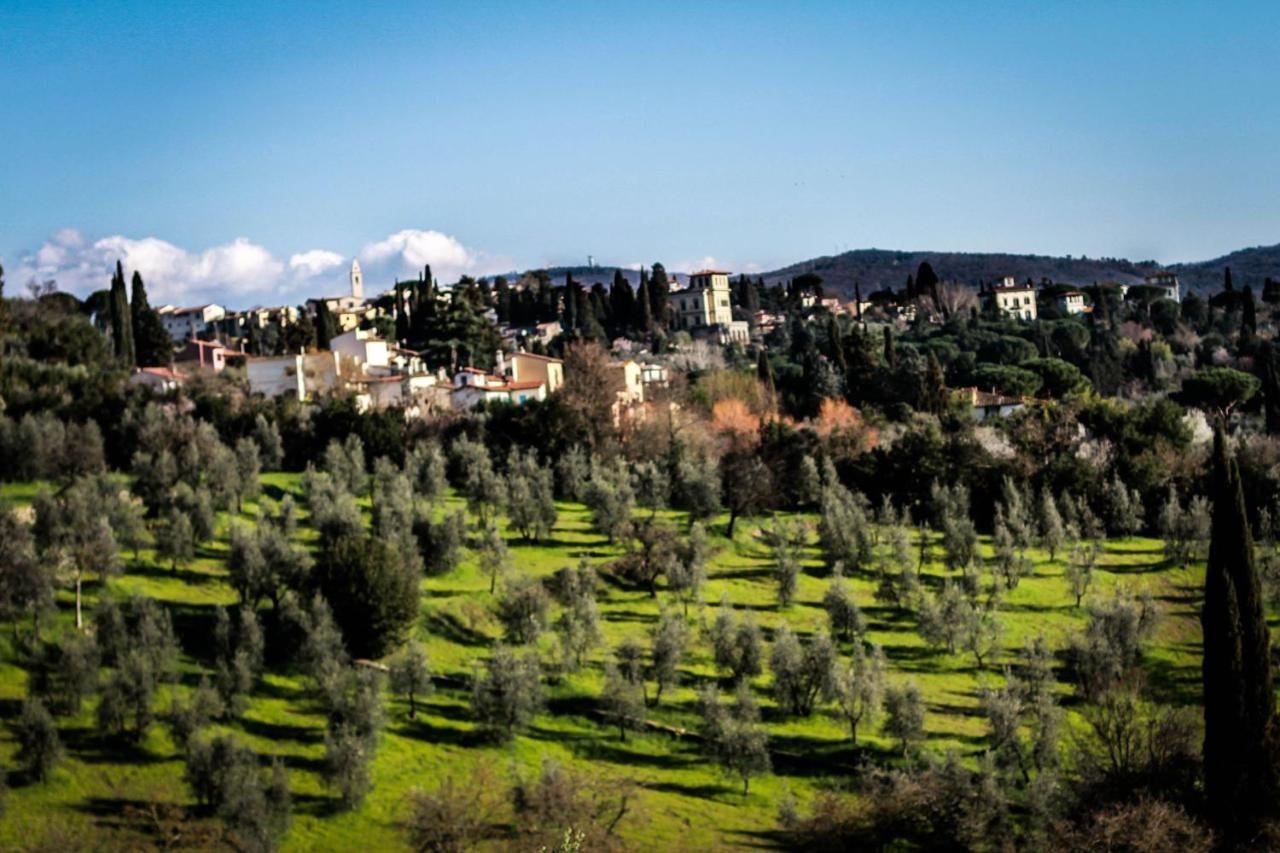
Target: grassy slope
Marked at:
685, 803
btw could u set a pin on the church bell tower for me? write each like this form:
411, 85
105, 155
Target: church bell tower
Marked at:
357, 280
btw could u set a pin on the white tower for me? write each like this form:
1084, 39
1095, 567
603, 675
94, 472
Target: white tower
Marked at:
357, 280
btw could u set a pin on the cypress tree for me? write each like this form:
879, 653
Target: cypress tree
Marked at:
1227, 285
1239, 702
1270, 376
121, 321
644, 304
835, 346
151, 341
1249, 319
764, 370
890, 353
659, 290
326, 325
402, 322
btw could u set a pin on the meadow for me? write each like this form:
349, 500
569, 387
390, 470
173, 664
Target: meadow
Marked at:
106, 795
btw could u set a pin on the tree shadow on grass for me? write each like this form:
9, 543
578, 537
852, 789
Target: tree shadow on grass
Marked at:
283, 731
629, 616
92, 747
762, 839
1174, 684
742, 573
316, 805
111, 813
424, 730
190, 577
702, 792
450, 627
616, 752
1134, 568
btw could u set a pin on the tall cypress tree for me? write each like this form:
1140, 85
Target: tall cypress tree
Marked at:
1227, 284
1249, 319
644, 304
121, 321
402, 320
326, 325
151, 342
890, 351
1269, 373
659, 290
764, 371
1239, 701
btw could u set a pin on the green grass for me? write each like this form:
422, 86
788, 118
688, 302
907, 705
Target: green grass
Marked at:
685, 802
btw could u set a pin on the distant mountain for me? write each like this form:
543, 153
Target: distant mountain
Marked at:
1248, 267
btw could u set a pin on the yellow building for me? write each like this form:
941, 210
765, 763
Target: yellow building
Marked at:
527, 367
705, 302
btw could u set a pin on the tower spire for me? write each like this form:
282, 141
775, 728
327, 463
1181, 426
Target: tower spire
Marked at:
357, 280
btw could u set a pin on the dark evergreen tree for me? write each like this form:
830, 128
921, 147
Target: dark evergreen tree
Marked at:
764, 371
1269, 372
1227, 284
644, 304
927, 282
121, 321
402, 318
1239, 701
659, 290
152, 344
1249, 318
326, 325
890, 351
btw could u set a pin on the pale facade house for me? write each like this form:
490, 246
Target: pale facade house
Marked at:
988, 404
1012, 299
204, 355
629, 375
183, 324
705, 308
527, 367
1168, 282
364, 348
301, 376
1072, 302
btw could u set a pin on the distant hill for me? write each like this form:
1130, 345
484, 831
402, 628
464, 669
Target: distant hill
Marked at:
879, 268
875, 269
1248, 267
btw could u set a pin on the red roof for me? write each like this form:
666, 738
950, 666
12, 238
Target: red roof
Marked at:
524, 386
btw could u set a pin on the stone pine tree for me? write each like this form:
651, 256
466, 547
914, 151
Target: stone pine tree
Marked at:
1239, 701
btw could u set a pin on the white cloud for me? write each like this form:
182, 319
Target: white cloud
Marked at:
242, 272
406, 252
315, 262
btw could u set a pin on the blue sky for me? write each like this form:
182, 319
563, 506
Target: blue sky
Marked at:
248, 150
